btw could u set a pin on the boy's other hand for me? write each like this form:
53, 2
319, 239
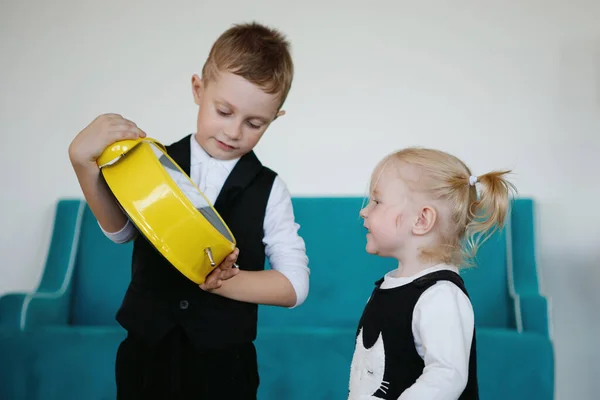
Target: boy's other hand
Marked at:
99, 134
224, 271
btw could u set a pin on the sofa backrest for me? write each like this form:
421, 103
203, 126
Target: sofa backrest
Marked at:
342, 273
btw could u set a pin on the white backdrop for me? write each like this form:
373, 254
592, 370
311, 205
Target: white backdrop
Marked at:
510, 83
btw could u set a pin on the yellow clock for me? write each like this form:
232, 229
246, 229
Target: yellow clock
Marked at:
166, 206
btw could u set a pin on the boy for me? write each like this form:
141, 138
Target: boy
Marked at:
184, 341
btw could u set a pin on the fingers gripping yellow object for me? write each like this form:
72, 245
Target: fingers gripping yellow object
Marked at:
166, 206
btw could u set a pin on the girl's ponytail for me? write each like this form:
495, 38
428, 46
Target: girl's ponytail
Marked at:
488, 212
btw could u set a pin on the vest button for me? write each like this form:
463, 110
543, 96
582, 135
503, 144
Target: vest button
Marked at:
183, 304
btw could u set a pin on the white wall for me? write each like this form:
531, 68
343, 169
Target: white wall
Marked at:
511, 83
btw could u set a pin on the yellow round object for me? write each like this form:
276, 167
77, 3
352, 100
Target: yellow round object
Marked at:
166, 206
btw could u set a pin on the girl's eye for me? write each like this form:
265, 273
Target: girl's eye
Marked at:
223, 112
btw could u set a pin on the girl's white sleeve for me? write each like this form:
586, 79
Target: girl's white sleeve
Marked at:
443, 324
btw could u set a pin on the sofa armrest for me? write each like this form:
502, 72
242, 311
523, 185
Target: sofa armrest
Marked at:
532, 310
534, 313
50, 303
28, 310
11, 305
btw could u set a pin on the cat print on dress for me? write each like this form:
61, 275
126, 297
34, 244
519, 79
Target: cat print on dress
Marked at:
367, 370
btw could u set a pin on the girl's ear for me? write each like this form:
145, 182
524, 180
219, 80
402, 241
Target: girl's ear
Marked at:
425, 221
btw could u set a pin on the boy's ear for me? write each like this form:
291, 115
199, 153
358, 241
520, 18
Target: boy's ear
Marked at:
281, 113
197, 88
425, 221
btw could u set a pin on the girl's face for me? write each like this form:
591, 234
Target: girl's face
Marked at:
390, 214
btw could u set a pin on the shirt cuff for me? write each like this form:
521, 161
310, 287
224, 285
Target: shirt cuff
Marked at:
298, 274
124, 235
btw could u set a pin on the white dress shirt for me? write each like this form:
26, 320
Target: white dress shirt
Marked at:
284, 248
442, 326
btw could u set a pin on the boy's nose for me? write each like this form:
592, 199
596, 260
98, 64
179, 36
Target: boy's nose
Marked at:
234, 132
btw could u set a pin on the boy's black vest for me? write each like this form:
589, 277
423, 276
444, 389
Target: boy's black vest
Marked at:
159, 297
390, 312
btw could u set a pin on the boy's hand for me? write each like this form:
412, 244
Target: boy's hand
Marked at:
224, 271
99, 134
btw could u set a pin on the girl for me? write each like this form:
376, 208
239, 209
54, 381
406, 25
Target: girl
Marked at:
416, 337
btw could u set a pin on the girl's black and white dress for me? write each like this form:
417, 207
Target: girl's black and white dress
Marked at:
416, 339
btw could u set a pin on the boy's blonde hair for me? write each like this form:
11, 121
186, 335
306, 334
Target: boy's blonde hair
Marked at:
255, 52
467, 219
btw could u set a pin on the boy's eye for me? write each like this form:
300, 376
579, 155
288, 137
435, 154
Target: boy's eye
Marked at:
253, 126
223, 112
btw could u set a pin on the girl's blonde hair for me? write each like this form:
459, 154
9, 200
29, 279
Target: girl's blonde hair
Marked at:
469, 219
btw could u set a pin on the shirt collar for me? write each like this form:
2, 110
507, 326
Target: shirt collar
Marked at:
200, 156
439, 267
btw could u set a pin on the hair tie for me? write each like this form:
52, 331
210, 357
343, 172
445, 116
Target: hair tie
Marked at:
473, 180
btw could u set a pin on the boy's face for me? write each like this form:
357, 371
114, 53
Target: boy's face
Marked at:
233, 114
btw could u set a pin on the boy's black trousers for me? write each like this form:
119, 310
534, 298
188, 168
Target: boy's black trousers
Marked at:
173, 369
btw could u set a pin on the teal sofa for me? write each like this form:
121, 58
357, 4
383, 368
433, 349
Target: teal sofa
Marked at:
60, 341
